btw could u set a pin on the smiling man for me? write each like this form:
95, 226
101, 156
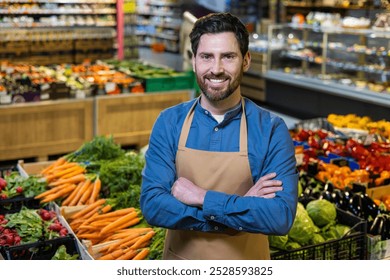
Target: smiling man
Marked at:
220, 171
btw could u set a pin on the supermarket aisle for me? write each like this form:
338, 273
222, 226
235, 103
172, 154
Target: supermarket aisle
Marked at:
175, 61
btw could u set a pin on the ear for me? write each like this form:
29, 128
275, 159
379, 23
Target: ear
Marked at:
247, 61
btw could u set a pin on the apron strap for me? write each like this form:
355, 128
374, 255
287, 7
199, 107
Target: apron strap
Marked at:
243, 129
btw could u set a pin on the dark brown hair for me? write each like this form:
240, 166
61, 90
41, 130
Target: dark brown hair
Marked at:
218, 23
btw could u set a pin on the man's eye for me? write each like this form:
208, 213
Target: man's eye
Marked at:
206, 57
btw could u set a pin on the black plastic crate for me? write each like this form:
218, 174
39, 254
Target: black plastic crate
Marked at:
6, 170
350, 247
13, 205
41, 250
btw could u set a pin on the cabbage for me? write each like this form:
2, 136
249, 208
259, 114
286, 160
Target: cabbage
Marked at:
330, 234
303, 228
291, 245
317, 239
278, 241
342, 230
322, 212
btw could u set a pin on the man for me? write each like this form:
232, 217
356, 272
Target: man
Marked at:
205, 155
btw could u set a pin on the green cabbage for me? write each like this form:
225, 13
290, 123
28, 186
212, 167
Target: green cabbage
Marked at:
291, 245
303, 228
317, 239
322, 212
278, 241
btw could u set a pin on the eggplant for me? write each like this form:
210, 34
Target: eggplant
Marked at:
381, 226
327, 195
355, 205
370, 206
338, 199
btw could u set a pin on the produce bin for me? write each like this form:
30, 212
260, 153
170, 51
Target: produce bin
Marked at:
350, 247
13, 205
178, 81
41, 250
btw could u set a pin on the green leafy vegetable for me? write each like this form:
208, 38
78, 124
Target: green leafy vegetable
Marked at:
99, 148
322, 212
61, 254
303, 228
278, 241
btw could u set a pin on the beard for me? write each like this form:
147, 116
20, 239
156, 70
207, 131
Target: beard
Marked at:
216, 93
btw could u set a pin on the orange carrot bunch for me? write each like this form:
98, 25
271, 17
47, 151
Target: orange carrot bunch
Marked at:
68, 181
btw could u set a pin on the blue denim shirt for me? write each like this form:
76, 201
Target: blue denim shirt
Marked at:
270, 149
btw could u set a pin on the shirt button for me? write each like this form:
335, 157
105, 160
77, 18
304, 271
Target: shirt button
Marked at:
212, 217
206, 112
216, 129
216, 227
240, 228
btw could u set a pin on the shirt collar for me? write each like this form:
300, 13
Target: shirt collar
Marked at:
229, 115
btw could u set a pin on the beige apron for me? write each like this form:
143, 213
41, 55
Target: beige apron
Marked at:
227, 172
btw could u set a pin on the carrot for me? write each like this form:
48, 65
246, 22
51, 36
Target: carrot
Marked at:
111, 256
88, 209
125, 233
86, 195
125, 241
56, 163
96, 190
146, 237
74, 179
117, 213
106, 208
93, 235
61, 193
50, 191
72, 195
130, 254
77, 170
142, 254
80, 192
119, 223
67, 170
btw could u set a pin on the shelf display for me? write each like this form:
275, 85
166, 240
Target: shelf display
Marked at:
130, 37
158, 23
57, 31
351, 59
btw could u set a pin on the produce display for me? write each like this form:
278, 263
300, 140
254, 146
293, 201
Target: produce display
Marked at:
97, 190
27, 83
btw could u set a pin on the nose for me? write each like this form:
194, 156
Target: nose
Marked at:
217, 67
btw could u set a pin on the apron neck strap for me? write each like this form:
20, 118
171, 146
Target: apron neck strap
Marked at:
243, 128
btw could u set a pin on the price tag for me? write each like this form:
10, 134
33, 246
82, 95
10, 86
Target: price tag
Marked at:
80, 94
45, 96
110, 87
5, 99
45, 87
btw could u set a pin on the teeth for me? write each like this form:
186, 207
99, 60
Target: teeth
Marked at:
216, 81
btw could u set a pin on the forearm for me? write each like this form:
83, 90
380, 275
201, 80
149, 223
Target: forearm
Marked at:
254, 214
161, 209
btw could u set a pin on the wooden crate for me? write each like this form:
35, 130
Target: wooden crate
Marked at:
129, 118
40, 129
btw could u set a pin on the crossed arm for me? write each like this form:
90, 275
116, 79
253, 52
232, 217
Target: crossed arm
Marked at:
190, 194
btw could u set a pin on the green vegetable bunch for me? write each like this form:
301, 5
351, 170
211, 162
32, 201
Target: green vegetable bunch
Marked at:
17, 185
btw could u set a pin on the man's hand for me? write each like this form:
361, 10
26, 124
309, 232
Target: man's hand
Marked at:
188, 193
265, 187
